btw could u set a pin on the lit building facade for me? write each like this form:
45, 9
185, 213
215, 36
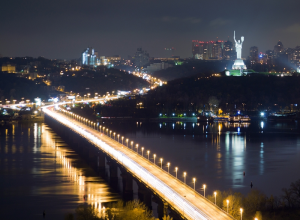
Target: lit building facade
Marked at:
253, 57
211, 50
89, 57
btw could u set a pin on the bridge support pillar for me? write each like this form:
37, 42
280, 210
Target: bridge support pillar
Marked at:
160, 206
127, 184
175, 215
113, 174
101, 164
145, 195
93, 157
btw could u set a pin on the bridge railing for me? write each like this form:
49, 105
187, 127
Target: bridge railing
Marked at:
173, 177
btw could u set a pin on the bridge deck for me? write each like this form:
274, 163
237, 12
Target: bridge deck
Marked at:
184, 199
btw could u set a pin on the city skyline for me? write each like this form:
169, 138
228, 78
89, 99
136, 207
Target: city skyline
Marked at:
61, 30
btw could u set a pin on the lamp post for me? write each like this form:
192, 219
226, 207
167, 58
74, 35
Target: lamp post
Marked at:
122, 139
127, 142
241, 213
114, 135
148, 151
204, 186
100, 128
118, 138
194, 180
137, 148
131, 144
168, 167
227, 201
161, 160
154, 155
176, 169
215, 198
110, 133
184, 175
142, 151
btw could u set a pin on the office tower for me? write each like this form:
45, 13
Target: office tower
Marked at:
141, 58
89, 57
253, 57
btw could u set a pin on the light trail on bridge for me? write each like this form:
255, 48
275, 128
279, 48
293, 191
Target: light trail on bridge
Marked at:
177, 194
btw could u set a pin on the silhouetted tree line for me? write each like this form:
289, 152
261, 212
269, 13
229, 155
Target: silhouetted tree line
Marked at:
200, 68
13, 87
252, 92
101, 81
132, 210
257, 204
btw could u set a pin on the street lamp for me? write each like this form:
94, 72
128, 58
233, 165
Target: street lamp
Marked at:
194, 180
100, 128
131, 144
227, 204
204, 186
118, 138
127, 141
122, 139
142, 151
184, 175
114, 135
154, 155
176, 168
137, 148
215, 197
107, 131
241, 213
110, 133
168, 167
161, 160
148, 151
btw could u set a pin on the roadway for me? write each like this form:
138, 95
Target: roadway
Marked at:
183, 198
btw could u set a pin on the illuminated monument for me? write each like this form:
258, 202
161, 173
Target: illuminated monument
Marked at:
239, 63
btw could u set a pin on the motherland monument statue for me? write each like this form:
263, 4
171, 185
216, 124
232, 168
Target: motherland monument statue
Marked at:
238, 63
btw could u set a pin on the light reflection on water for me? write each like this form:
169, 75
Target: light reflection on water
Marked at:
39, 172
218, 154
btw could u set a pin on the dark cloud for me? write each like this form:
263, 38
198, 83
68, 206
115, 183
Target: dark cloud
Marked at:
63, 28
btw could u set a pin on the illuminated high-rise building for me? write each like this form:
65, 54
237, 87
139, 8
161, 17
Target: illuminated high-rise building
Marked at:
195, 48
228, 51
141, 58
89, 57
253, 57
278, 49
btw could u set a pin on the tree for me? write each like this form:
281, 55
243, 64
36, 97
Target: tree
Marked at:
254, 201
167, 218
295, 190
133, 210
69, 216
234, 204
86, 212
287, 197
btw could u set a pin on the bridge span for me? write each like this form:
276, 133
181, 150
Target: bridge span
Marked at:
177, 194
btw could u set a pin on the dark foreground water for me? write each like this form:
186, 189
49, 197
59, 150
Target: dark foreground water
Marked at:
38, 171
218, 154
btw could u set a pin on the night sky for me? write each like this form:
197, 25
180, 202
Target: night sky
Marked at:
63, 29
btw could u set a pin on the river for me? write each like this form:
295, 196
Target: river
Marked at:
38, 172
219, 154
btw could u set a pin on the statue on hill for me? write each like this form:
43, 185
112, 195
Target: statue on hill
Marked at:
239, 63
238, 46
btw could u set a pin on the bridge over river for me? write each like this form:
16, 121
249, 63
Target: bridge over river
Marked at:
185, 200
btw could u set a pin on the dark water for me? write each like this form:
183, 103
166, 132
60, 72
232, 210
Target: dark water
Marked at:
38, 171
218, 154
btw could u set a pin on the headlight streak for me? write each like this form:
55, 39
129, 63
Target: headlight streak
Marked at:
171, 196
